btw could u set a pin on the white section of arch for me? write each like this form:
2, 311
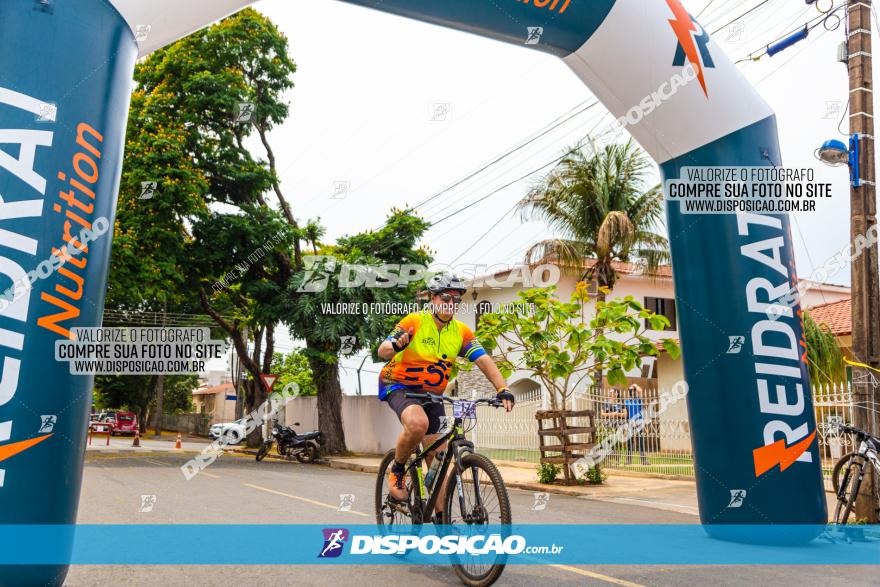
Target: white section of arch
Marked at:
630, 57
156, 23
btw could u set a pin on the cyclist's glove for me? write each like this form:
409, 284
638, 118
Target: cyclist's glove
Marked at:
395, 341
504, 394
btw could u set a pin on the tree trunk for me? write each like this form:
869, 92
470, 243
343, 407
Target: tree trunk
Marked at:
240, 343
144, 409
160, 396
270, 348
600, 297
257, 395
329, 402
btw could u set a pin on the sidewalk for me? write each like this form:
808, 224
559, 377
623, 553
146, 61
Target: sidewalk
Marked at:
666, 494
166, 443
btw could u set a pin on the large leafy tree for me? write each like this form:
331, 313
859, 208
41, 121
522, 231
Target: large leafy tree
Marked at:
222, 89
161, 190
312, 294
598, 204
294, 368
219, 93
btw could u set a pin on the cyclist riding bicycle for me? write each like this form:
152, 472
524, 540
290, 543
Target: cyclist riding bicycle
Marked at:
421, 352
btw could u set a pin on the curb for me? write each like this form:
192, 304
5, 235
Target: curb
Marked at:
374, 469
334, 464
545, 488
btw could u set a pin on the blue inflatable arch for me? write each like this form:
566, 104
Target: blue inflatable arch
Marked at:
65, 83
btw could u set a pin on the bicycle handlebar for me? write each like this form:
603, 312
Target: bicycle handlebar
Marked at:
492, 401
857, 431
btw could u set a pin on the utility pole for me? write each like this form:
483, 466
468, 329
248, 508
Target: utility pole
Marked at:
863, 210
160, 383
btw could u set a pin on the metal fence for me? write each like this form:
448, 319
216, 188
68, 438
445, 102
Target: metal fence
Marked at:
662, 446
834, 405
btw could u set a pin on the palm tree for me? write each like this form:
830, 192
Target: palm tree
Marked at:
313, 232
596, 202
824, 355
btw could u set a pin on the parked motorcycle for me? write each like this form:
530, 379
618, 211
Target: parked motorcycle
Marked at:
304, 447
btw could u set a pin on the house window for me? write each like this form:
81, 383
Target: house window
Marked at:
484, 307
662, 307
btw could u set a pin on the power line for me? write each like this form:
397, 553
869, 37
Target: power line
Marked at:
809, 25
750, 10
556, 123
495, 191
548, 128
482, 236
513, 165
706, 7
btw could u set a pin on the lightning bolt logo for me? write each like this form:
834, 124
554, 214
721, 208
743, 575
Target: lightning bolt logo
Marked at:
684, 29
767, 457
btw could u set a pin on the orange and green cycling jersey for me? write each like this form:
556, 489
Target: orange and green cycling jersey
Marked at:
427, 361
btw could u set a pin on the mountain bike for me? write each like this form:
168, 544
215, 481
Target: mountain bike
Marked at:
850, 471
475, 492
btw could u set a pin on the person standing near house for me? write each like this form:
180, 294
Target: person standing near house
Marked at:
613, 409
635, 418
421, 352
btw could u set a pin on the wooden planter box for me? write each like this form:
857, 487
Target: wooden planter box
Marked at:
555, 429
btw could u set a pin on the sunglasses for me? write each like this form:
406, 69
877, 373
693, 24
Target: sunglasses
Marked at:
446, 297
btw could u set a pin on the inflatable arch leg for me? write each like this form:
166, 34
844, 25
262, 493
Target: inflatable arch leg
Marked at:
65, 81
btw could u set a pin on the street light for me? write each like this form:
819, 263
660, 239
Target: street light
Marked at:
835, 153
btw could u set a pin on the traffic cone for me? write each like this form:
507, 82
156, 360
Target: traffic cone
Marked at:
177, 444
137, 439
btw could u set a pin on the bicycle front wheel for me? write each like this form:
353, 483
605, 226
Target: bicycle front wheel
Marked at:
483, 501
850, 484
397, 516
839, 467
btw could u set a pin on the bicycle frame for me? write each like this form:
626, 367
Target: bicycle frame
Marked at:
458, 446
870, 455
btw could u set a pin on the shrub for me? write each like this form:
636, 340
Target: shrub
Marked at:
547, 472
596, 476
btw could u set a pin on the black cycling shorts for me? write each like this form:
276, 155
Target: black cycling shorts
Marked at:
398, 402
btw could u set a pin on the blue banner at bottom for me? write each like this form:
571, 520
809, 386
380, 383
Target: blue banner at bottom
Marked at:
203, 544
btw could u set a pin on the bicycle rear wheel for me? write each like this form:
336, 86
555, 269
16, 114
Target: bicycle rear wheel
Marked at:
484, 501
850, 483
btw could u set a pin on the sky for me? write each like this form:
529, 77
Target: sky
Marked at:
390, 111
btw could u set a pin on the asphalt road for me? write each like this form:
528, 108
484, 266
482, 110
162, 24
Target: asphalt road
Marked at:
237, 490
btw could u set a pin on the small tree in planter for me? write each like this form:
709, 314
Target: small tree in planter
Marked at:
553, 340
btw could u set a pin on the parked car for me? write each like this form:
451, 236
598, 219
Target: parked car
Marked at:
231, 433
125, 423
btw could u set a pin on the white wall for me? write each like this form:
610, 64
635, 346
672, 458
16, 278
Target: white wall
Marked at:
674, 420
370, 426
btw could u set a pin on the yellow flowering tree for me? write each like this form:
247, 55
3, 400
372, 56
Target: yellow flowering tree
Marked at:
557, 343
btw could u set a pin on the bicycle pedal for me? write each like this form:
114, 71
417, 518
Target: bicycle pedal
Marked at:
400, 506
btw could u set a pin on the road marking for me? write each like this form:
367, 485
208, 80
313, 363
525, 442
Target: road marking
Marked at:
305, 499
202, 472
598, 576
660, 505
